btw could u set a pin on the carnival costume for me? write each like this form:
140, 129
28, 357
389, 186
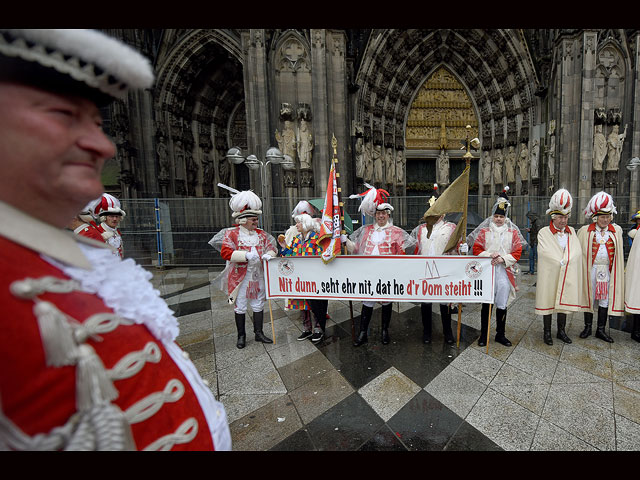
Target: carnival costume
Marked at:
560, 288
377, 240
88, 353
432, 237
507, 241
243, 277
603, 265
632, 292
306, 244
110, 205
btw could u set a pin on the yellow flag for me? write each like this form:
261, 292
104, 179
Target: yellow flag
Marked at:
453, 200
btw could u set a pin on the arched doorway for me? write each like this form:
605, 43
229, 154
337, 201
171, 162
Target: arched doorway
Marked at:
435, 132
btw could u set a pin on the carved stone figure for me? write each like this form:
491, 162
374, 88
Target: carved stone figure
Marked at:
368, 162
305, 145
535, 158
359, 149
224, 169
192, 173
443, 168
486, 168
615, 140
498, 163
551, 151
510, 165
599, 148
389, 166
287, 140
401, 163
378, 175
523, 162
163, 159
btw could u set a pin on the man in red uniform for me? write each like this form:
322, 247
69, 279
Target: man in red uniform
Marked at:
84, 224
87, 352
244, 246
110, 214
380, 238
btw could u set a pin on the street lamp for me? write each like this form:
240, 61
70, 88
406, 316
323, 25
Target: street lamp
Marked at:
252, 162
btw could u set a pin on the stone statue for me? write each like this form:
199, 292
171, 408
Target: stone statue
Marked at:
535, 158
599, 148
443, 168
305, 145
486, 168
378, 175
389, 166
163, 159
498, 162
287, 140
368, 162
523, 162
224, 169
192, 173
510, 165
359, 149
615, 140
401, 162
208, 175
551, 151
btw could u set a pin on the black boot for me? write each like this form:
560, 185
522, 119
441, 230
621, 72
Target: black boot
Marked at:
635, 334
546, 325
242, 335
562, 323
426, 311
257, 328
484, 324
365, 318
588, 321
501, 322
386, 320
445, 314
602, 322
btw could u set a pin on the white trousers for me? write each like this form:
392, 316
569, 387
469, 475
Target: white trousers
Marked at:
502, 288
257, 304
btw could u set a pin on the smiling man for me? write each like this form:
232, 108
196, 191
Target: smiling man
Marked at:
87, 353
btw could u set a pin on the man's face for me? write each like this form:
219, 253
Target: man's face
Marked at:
382, 217
499, 219
112, 220
52, 149
251, 223
560, 221
603, 220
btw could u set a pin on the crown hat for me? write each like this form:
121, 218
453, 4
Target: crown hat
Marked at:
560, 203
302, 207
74, 61
600, 204
243, 204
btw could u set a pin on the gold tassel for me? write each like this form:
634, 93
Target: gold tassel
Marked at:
57, 335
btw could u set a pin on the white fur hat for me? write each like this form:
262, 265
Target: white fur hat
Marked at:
108, 205
83, 62
600, 204
374, 199
560, 203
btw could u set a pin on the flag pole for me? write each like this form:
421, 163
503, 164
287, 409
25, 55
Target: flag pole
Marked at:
467, 158
343, 249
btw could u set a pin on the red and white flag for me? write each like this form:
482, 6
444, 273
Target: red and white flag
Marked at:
331, 228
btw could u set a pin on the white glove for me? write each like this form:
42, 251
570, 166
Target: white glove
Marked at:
343, 238
464, 248
252, 257
266, 256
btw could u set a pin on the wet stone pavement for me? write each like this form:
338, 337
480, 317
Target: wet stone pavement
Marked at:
407, 396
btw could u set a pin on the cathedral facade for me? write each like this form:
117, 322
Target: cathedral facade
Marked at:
549, 109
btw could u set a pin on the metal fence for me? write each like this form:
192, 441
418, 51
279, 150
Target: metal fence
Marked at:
175, 231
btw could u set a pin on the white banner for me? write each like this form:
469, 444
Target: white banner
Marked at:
396, 278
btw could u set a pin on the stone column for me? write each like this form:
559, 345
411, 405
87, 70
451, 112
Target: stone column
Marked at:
634, 184
587, 107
